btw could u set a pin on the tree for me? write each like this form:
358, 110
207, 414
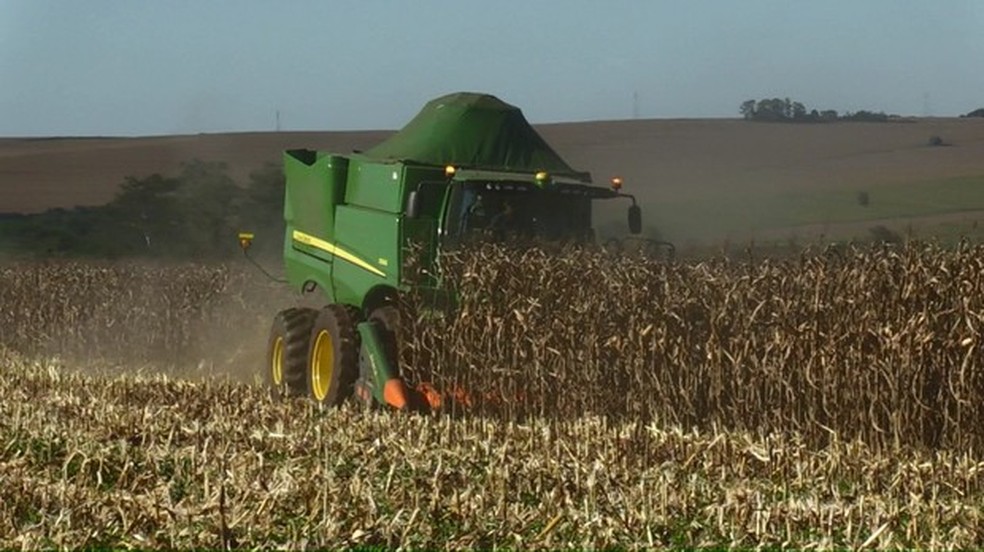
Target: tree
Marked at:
263, 209
747, 109
139, 219
864, 115
210, 200
786, 109
773, 109
798, 111
193, 215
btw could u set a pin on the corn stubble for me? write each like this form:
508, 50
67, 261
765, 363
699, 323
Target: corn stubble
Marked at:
829, 400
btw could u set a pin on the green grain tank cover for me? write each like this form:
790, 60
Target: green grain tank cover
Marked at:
476, 131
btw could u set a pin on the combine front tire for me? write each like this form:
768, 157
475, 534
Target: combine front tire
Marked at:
333, 363
287, 352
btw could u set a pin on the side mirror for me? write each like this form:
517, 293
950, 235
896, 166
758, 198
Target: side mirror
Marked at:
413, 204
635, 219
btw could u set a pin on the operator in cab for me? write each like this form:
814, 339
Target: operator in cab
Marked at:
517, 215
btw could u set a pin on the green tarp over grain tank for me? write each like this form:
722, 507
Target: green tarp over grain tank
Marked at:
477, 131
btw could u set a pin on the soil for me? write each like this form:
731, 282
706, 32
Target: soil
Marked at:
663, 162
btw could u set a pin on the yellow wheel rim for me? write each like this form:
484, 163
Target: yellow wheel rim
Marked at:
322, 365
277, 361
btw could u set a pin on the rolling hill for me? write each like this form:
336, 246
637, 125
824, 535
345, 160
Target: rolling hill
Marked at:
697, 180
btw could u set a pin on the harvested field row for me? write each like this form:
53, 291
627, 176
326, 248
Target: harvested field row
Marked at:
155, 462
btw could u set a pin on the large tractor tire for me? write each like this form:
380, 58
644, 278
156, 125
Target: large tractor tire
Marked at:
333, 362
287, 352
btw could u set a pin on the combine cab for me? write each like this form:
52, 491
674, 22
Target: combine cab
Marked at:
467, 166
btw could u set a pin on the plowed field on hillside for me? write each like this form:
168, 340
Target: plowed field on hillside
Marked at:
698, 180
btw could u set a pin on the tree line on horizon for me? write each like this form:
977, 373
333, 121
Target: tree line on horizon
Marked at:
786, 110
195, 214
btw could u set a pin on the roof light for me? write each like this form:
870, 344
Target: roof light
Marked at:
616, 183
449, 170
542, 178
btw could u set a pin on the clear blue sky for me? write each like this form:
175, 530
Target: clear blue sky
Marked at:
101, 67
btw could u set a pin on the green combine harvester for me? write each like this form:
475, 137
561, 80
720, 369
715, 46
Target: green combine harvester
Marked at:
468, 166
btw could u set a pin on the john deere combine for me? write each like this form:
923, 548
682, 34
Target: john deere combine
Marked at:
467, 166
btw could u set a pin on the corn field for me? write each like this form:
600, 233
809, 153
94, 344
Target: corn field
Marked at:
882, 345
828, 400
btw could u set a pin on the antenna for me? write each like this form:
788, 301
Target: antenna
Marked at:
278, 120
635, 105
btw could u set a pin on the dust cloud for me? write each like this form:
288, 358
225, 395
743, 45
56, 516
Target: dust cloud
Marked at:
181, 319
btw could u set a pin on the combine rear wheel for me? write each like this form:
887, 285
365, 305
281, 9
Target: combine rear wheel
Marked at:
287, 352
333, 363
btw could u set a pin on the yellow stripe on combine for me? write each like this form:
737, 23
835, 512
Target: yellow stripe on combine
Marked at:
308, 239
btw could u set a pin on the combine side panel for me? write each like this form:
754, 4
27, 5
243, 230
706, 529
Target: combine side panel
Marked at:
370, 225
368, 253
375, 185
315, 185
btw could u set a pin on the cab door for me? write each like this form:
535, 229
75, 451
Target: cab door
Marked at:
422, 234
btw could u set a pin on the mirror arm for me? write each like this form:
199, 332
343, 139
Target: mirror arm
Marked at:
630, 196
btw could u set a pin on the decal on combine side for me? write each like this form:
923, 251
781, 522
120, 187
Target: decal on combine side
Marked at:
317, 243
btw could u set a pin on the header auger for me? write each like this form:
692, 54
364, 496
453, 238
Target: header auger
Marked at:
467, 165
